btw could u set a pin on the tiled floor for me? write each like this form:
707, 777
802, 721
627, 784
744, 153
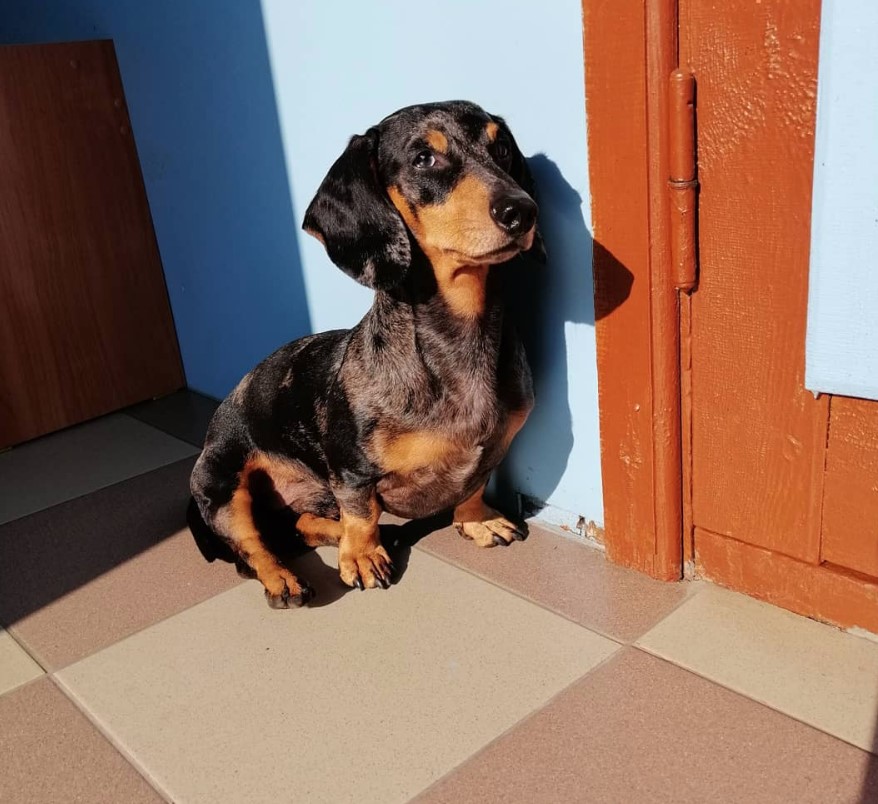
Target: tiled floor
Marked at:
131, 670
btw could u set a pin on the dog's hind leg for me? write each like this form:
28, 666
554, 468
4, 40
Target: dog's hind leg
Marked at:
476, 520
318, 531
235, 522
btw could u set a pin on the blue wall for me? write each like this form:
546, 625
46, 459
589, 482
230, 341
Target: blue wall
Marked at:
842, 344
202, 105
239, 108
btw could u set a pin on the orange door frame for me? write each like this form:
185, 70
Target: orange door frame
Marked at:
630, 51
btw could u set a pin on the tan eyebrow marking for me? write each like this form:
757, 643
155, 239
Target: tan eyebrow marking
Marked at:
437, 141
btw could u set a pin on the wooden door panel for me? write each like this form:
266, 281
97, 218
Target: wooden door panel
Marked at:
757, 435
825, 593
86, 326
850, 503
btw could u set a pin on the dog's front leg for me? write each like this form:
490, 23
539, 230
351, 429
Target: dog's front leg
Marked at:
362, 561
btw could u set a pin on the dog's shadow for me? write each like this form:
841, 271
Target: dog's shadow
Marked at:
278, 532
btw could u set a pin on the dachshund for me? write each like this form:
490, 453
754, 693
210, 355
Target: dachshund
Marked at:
411, 410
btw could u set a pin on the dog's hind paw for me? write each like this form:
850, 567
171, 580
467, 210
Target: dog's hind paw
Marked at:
493, 532
286, 591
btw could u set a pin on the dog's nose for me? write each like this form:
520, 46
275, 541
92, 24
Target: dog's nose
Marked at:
515, 214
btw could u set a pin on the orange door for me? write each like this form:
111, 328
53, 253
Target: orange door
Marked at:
784, 487
85, 325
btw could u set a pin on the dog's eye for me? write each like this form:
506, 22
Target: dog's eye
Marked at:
502, 151
424, 159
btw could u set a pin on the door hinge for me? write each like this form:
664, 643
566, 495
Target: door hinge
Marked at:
683, 180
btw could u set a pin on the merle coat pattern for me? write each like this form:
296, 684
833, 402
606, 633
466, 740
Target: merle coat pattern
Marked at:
411, 409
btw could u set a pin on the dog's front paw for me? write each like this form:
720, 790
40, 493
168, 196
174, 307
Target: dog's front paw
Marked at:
492, 531
368, 570
283, 590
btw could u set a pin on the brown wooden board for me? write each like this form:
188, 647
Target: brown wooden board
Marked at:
85, 324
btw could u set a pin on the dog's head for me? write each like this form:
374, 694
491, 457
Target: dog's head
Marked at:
449, 175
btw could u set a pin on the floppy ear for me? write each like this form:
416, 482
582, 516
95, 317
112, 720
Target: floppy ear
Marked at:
352, 216
520, 172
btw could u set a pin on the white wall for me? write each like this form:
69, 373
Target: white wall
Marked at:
842, 343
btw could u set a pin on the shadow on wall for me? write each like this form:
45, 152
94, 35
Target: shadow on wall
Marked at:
543, 300
209, 136
201, 96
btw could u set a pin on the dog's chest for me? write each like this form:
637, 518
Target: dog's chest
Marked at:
425, 471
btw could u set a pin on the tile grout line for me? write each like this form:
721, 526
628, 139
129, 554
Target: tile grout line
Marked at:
140, 630
198, 444
71, 695
747, 697
241, 581
100, 488
123, 751
594, 629
24, 647
25, 684
520, 722
519, 595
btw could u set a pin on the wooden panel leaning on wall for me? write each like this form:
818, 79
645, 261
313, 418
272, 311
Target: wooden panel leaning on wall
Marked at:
86, 327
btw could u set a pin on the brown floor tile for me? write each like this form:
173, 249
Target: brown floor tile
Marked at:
640, 730
184, 415
572, 579
82, 575
52, 753
808, 670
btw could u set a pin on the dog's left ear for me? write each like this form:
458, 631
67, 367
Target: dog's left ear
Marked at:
522, 176
352, 216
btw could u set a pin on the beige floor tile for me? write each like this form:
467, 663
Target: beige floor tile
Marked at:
640, 731
82, 459
51, 753
82, 575
573, 579
16, 667
368, 696
811, 671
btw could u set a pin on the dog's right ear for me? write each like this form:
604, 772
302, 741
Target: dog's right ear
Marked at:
352, 216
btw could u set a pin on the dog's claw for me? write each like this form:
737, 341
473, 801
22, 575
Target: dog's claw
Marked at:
519, 535
358, 582
500, 541
308, 594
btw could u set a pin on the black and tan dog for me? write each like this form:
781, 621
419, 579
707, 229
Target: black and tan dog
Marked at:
410, 410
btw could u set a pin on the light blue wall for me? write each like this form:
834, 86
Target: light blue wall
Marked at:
842, 343
340, 66
239, 110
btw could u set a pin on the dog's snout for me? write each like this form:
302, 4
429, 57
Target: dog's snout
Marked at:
515, 214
